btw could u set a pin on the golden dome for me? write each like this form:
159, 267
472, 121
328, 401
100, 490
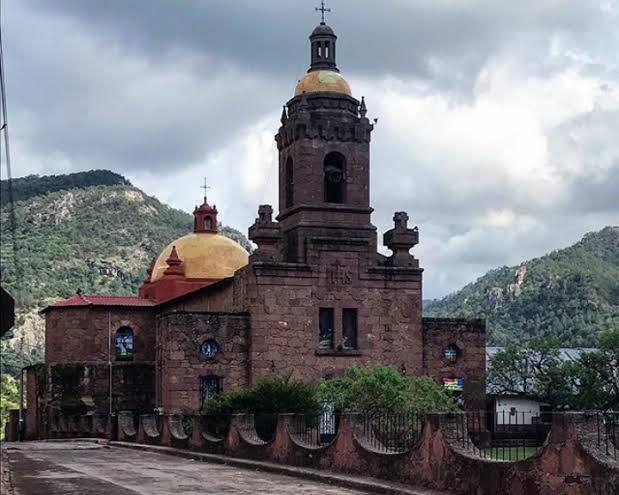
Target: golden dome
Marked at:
322, 81
204, 255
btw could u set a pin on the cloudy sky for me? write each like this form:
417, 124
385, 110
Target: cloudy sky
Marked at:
497, 125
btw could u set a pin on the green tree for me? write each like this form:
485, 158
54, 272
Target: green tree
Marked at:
596, 375
9, 399
534, 368
382, 389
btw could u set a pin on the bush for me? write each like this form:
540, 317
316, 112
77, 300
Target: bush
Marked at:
266, 399
382, 389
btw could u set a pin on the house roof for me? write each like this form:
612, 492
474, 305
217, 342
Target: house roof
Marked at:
80, 300
565, 353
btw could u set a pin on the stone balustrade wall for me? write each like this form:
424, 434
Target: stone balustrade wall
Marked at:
571, 461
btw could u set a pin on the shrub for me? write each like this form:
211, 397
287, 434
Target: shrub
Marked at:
382, 389
266, 399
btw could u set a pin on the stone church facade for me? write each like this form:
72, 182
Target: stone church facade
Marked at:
314, 298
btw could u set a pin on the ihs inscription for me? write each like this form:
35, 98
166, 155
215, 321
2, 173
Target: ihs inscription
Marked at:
338, 275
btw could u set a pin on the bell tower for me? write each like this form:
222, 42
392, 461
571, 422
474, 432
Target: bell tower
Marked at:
324, 156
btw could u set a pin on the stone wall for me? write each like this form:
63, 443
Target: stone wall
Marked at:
570, 462
81, 334
216, 297
78, 388
469, 338
283, 302
181, 365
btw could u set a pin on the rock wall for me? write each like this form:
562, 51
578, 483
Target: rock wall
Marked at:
81, 334
181, 364
78, 388
441, 336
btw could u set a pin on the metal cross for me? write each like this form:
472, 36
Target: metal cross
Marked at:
322, 10
205, 187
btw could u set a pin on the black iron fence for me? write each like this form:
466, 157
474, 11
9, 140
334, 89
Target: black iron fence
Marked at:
314, 430
503, 435
215, 426
608, 432
388, 432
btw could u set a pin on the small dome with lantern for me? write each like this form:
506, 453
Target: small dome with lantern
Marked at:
204, 253
323, 74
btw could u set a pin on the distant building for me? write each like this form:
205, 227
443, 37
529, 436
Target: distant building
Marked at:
312, 300
518, 407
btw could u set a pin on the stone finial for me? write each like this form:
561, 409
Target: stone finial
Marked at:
265, 214
284, 117
400, 220
303, 105
266, 234
363, 109
400, 239
174, 264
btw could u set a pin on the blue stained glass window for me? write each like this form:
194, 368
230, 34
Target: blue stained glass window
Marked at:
451, 353
210, 348
124, 343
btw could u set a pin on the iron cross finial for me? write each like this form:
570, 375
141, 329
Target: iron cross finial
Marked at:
322, 9
205, 187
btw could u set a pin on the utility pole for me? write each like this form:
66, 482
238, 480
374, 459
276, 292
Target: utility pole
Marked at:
109, 360
20, 425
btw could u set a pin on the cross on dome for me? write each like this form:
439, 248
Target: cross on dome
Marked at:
322, 9
205, 215
205, 187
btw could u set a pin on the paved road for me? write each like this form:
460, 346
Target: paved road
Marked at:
82, 468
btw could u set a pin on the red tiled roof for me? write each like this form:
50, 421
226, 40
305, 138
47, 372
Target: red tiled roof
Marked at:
82, 300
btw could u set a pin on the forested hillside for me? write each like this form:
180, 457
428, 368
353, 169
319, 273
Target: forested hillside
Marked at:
572, 293
92, 231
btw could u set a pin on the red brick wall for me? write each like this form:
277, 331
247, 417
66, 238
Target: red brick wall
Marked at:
470, 337
81, 334
180, 364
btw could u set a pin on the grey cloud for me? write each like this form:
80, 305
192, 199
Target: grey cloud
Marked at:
397, 36
156, 86
104, 105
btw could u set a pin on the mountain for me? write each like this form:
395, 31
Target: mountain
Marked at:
572, 293
92, 231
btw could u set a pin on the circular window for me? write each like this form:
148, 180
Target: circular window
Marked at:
451, 353
210, 348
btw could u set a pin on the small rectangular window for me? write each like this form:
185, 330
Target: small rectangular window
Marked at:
210, 387
349, 328
327, 320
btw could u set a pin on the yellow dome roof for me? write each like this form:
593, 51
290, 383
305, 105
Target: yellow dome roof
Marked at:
204, 255
322, 80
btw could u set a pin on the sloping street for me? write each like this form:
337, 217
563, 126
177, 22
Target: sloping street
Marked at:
83, 468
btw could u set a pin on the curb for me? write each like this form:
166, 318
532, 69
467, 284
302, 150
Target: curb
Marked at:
370, 485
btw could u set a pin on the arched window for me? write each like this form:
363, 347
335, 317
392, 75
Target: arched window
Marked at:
210, 386
124, 344
335, 178
208, 223
289, 183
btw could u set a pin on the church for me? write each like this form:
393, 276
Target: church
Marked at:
314, 298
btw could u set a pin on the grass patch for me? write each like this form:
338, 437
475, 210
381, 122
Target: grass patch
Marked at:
508, 453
